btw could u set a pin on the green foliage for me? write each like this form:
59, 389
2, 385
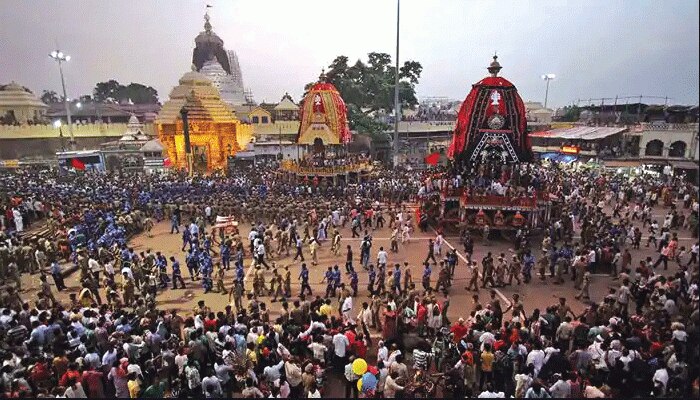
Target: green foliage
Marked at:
50, 97
363, 123
369, 87
571, 114
116, 92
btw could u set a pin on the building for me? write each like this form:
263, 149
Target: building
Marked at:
535, 112
286, 109
134, 151
109, 113
579, 142
19, 106
673, 144
219, 65
214, 131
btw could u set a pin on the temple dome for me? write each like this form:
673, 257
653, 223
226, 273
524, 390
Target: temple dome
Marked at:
208, 45
195, 85
208, 35
194, 78
323, 115
22, 104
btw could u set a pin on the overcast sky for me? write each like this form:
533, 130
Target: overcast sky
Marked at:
596, 48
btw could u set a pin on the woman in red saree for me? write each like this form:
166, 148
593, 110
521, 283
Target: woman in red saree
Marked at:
389, 330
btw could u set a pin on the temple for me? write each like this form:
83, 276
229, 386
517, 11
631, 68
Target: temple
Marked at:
219, 65
323, 117
214, 131
489, 143
323, 135
18, 106
491, 124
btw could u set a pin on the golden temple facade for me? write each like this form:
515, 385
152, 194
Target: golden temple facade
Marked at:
215, 132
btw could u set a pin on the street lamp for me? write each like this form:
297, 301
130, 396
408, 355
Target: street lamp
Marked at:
397, 106
547, 78
57, 124
60, 58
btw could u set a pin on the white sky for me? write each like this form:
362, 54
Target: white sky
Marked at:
596, 48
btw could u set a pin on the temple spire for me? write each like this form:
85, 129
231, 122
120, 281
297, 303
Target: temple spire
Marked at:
322, 77
494, 68
207, 24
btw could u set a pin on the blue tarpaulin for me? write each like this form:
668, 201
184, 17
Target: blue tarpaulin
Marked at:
558, 157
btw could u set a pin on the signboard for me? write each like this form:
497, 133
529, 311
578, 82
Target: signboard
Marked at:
570, 149
9, 163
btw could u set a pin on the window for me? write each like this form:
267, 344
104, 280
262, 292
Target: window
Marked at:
256, 120
677, 149
654, 148
264, 120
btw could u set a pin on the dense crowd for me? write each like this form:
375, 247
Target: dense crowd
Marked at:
112, 339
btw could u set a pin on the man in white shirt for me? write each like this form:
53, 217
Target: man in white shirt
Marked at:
536, 358
382, 352
194, 229
340, 345
561, 389
94, 266
273, 372
382, 257
490, 394
207, 212
661, 379
346, 309
694, 249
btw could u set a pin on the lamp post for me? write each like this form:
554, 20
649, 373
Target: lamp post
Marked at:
397, 106
57, 124
60, 58
547, 78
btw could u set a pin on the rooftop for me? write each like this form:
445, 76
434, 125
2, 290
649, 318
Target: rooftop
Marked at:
14, 94
580, 133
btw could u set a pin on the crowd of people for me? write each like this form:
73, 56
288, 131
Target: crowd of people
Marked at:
111, 337
323, 160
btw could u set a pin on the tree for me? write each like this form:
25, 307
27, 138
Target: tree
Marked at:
116, 92
138, 94
107, 91
571, 114
368, 88
50, 97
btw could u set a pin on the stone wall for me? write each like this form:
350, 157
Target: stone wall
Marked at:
43, 141
79, 130
44, 148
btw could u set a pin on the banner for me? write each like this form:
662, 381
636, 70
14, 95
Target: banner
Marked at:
432, 159
77, 164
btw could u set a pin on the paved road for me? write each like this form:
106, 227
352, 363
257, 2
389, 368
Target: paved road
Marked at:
537, 294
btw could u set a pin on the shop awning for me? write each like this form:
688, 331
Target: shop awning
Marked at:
580, 133
684, 164
622, 163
